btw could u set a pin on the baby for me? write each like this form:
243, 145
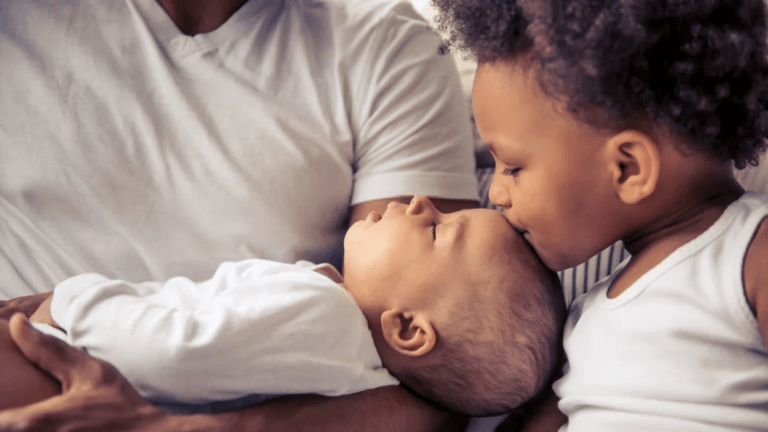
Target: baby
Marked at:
623, 120
456, 306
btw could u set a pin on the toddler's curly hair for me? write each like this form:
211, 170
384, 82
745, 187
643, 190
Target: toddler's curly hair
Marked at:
697, 67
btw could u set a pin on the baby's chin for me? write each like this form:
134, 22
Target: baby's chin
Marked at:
354, 227
349, 238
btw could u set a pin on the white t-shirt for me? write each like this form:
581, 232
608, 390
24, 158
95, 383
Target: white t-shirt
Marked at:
256, 329
130, 149
680, 350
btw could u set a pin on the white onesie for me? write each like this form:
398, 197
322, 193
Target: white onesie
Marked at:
257, 329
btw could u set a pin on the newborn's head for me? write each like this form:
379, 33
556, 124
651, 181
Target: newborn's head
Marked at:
461, 309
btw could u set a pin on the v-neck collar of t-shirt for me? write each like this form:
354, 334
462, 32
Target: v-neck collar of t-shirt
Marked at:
179, 44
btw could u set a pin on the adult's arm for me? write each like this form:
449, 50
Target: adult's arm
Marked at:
546, 417
96, 397
413, 134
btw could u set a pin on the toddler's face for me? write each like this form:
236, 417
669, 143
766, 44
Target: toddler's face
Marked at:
550, 178
418, 256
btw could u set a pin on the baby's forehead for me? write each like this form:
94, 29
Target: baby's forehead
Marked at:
499, 247
491, 225
486, 215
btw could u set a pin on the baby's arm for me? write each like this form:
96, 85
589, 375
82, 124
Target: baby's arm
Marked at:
167, 339
43, 314
21, 383
255, 327
756, 277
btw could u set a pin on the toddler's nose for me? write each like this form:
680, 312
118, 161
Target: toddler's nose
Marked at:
498, 194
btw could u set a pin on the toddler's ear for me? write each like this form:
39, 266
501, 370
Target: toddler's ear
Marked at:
410, 334
635, 160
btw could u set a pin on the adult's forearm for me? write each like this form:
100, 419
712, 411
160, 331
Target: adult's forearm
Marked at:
96, 397
379, 410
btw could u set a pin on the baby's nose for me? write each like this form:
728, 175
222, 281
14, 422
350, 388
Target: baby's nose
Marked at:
419, 204
393, 204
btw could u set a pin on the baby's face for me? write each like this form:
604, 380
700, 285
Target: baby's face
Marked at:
415, 255
551, 178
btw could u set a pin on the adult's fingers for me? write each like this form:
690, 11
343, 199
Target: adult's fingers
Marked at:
26, 305
60, 360
35, 417
7, 309
109, 407
95, 397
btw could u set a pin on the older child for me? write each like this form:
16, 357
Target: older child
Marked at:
623, 120
448, 299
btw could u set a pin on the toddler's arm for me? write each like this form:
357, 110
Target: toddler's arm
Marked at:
756, 277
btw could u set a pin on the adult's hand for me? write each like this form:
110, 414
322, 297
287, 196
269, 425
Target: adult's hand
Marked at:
26, 305
95, 397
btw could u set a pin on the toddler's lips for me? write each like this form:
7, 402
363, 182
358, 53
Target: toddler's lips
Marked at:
526, 235
373, 217
520, 230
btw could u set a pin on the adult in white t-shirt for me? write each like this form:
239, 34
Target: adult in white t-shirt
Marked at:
143, 139
133, 150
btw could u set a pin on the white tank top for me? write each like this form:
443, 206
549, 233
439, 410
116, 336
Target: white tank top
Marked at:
680, 350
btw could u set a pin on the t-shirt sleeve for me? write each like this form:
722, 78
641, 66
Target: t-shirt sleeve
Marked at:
256, 327
411, 122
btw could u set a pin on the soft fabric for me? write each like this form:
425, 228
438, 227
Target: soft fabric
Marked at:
256, 328
134, 151
680, 350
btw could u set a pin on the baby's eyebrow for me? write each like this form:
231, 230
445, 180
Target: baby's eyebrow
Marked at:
458, 232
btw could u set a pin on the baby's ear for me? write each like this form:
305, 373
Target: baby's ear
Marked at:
634, 162
410, 334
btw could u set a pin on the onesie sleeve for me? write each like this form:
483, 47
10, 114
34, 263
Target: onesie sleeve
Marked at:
411, 122
256, 327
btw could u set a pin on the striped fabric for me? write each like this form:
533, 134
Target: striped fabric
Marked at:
576, 280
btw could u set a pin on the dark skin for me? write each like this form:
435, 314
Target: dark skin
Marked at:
659, 194
200, 16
